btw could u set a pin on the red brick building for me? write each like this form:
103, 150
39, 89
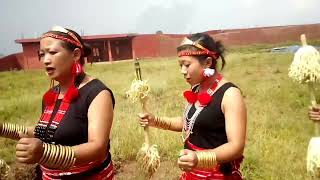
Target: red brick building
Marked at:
108, 48
128, 46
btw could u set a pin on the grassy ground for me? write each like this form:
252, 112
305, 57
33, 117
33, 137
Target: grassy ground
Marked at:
278, 129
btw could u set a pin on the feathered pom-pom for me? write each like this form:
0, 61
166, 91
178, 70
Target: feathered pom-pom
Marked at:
204, 99
190, 96
71, 94
50, 97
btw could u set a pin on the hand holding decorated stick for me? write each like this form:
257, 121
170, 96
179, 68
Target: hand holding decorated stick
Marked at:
305, 69
148, 156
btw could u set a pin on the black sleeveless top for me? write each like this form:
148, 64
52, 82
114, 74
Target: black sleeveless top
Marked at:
73, 129
209, 128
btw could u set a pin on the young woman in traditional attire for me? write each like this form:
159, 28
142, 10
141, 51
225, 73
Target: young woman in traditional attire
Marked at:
71, 139
214, 122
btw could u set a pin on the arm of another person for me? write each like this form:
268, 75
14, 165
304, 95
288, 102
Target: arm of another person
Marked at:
235, 114
100, 117
314, 113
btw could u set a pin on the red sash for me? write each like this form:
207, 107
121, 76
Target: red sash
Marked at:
214, 173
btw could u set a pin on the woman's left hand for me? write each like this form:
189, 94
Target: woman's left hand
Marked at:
314, 113
29, 150
187, 160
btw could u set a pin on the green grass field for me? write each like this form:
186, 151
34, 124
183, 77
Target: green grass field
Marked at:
278, 128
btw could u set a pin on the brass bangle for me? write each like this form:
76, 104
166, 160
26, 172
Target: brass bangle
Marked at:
6, 129
57, 156
72, 158
66, 158
162, 123
60, 156
8, 132
11, 131
70, 164
206, 159
1, 128
52, 152
47, 153
43, 154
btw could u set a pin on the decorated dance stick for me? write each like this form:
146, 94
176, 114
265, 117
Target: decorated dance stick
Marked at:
305, 69
4, 169
148, 156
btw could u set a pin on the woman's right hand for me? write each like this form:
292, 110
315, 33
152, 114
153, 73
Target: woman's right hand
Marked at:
146, 119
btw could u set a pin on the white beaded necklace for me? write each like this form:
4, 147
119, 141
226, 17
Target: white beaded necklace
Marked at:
189, 122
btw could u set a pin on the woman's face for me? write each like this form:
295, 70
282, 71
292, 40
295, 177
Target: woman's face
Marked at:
191, 69
57, 60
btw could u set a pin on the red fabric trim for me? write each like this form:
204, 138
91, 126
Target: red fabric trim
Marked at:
107, 173
214, 55
193, 147
64, 106
214, 173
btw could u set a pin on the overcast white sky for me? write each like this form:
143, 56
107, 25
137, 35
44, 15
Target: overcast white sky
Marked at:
30, 18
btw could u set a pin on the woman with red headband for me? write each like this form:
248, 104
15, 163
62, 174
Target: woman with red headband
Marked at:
71, 139
214, 123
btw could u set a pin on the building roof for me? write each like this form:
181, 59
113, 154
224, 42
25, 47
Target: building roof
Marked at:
27, 40
108, 36
90, 37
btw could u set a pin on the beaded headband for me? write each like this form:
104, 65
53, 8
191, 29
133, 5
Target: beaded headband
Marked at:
204, 51
75, 41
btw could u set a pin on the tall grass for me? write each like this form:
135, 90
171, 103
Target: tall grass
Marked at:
278, 129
